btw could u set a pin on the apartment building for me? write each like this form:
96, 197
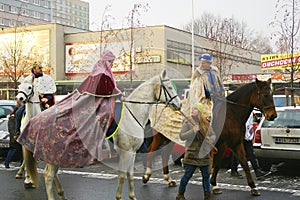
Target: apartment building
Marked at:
73, 13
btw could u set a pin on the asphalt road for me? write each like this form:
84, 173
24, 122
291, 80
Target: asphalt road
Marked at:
99, 182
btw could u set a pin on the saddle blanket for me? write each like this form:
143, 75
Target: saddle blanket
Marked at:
167, 121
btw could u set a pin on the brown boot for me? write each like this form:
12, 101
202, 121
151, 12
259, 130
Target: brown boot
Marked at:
180, 195
206, 195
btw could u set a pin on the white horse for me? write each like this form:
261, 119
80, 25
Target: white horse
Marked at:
129, 137
32, 107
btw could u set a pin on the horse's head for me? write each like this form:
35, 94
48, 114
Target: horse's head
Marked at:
264, 100
25, 92
168, 93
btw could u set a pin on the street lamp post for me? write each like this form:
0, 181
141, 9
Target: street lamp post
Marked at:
193, 56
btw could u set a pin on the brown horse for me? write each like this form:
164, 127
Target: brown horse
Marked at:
229, 123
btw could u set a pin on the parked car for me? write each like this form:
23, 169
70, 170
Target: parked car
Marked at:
4, 137
185, 94
278, 140
6, 106
280, 100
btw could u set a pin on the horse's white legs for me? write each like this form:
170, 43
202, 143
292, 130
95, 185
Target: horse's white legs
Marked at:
19, 174
50, 175
147, 174
28, 182
130, 174
126, 165
59, 189
121, 178
170, 181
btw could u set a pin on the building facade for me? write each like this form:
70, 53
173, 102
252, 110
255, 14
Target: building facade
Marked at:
68, 54
73, 13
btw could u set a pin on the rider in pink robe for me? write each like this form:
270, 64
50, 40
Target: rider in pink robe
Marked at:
101, 80
71, 132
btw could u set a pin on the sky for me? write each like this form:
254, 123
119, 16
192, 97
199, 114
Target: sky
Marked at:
257, 14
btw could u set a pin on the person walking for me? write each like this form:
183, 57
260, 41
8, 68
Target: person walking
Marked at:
194, 136
248, 145
14, 124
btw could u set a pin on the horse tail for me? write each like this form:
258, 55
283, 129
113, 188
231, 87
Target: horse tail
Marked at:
31, 166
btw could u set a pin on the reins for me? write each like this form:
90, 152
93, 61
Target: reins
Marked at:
162, 89
205, 136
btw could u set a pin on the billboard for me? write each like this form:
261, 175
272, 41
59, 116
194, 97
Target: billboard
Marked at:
81, 57
278, 61
25, 47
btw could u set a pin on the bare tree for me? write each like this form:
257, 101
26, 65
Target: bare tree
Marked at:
287, 20
225, 35
16, 55
14, 61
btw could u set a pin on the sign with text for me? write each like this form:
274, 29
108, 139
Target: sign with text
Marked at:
81, 57
278, 61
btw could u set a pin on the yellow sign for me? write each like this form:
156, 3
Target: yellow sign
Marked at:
278, 61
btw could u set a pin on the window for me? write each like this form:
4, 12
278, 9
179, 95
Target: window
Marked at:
47, 17
36, 14
13, 9
37, 2
24, 12
1, 6
45, 4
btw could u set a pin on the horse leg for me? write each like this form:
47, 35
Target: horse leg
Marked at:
19, 174
156, 143
217, 163
121, 178
126, 161
241, 156
31, 174
59, 189
166, 152
130, 172
50, 172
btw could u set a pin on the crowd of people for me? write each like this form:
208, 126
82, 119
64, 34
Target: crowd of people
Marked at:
102, 82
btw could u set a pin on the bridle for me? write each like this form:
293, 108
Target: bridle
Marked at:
166, 93
260, 95
162, 91
27, 96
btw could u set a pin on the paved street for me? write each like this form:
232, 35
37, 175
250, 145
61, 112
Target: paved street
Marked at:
99, 182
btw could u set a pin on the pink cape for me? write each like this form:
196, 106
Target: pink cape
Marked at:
70, 133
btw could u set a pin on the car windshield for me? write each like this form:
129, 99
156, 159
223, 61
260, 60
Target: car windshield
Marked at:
286, 118
5, 110
280, 101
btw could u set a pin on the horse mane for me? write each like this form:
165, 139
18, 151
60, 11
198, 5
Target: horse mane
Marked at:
242, 91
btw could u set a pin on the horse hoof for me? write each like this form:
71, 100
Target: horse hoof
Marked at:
172, 184
255, 192
216, 190
19, 176
29, 186
145, 180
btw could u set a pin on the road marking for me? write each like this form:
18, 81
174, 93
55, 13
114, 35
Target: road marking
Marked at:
225, 186
162, 181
